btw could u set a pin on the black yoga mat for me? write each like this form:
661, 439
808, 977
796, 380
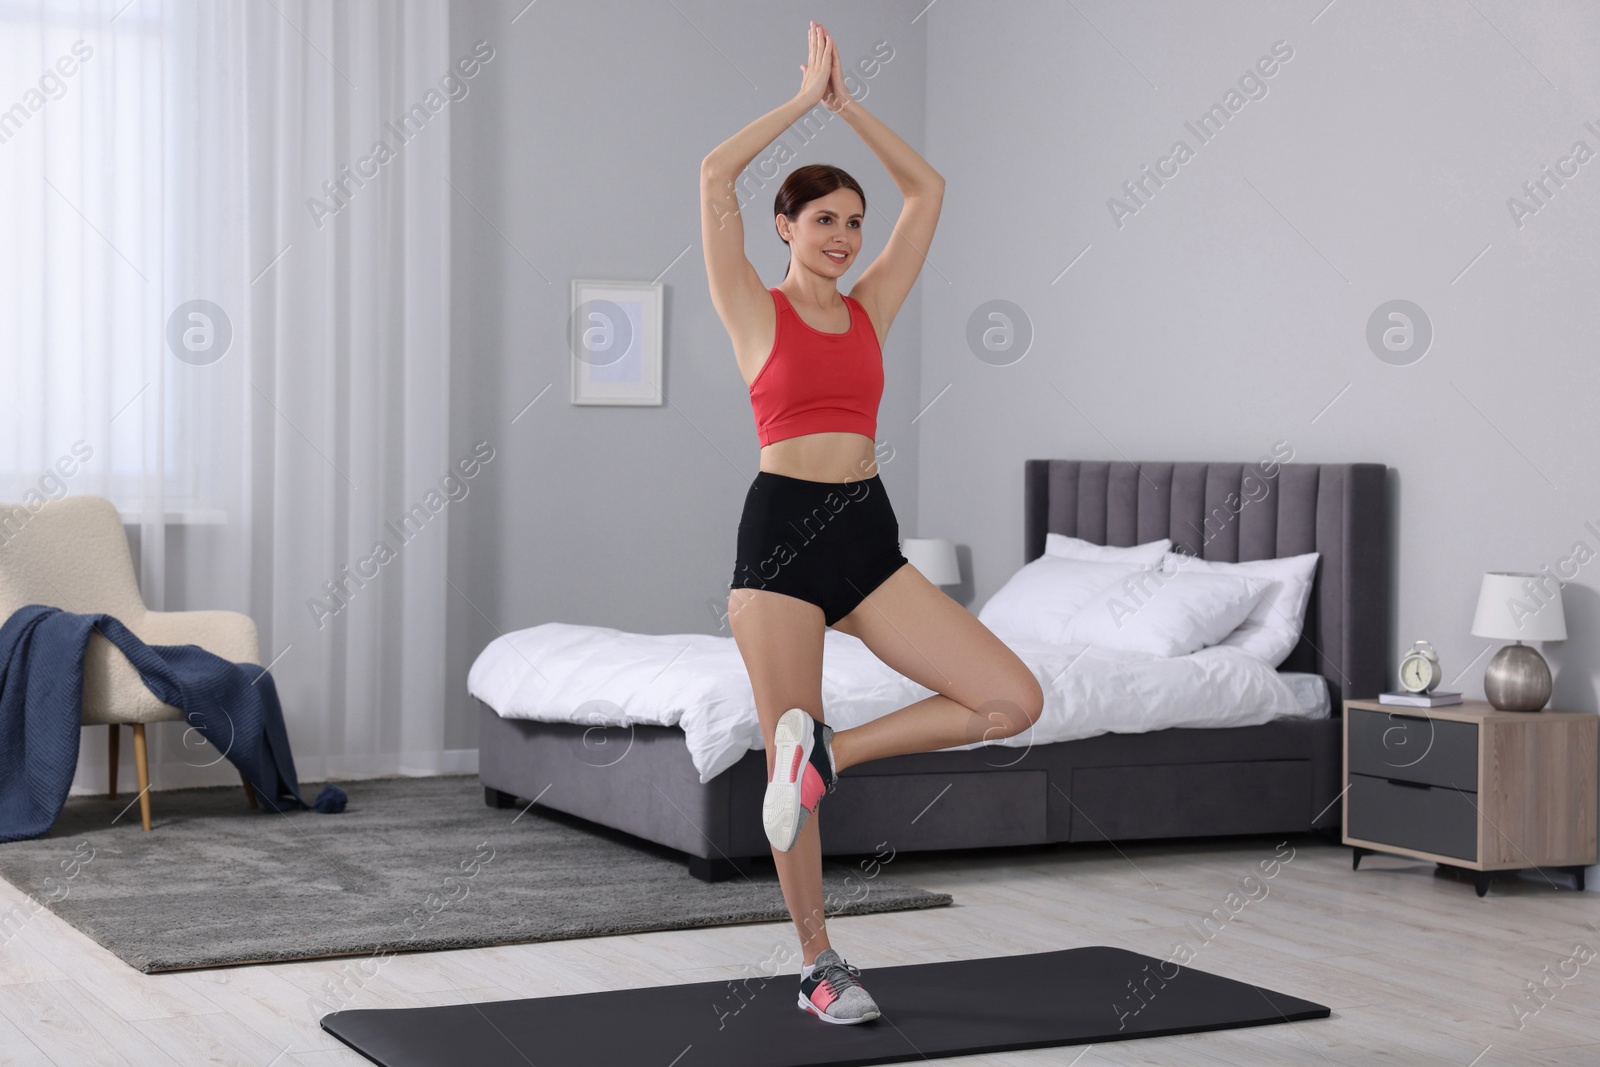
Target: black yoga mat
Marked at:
1075, 996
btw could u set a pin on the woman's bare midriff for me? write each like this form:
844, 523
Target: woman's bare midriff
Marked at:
821, 457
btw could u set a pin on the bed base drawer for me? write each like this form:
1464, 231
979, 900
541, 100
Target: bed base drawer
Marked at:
1188, 800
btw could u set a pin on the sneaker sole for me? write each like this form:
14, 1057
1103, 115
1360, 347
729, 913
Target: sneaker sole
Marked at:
781, 812
807, 1006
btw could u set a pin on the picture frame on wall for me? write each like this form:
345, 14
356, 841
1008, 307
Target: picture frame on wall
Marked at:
614, 341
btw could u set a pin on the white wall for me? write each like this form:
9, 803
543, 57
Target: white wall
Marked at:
1230, 311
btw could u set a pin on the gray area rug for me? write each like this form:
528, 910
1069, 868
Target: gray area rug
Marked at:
413, 864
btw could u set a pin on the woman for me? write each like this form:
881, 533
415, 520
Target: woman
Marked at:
818, 542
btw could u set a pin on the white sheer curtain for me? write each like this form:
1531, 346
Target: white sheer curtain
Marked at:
228, 153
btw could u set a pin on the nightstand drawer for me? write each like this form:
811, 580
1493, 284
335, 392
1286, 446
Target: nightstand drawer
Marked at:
1413, 748
1427, 818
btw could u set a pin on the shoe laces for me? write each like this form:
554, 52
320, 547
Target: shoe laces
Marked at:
840, 976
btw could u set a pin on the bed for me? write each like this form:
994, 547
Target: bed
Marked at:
654, 738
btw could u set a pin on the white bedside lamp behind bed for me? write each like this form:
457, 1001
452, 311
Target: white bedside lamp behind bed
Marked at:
935, 558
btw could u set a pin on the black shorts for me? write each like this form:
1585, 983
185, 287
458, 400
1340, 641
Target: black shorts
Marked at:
829, 543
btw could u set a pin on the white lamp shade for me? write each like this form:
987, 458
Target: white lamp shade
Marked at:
1519, 607
935, 558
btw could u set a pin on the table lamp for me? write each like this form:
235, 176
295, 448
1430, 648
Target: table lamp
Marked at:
935, 558
1518, 607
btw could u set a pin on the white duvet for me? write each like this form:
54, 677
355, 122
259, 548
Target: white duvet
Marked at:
593, 675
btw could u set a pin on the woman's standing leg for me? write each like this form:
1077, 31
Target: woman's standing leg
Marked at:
780, 638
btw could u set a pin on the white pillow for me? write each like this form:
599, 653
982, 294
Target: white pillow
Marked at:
1273, 626
1164, 613
1040, 599
1064, 547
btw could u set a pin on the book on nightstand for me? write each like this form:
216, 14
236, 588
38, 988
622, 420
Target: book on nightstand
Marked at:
1436, 699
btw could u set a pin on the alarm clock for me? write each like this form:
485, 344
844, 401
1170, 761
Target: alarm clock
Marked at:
1419, 670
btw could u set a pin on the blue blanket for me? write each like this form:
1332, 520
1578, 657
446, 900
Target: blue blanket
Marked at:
233, 705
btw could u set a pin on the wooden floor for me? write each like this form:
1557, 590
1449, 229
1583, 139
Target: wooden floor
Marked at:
1416, 968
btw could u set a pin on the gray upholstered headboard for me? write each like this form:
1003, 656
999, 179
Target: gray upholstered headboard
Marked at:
1244, 511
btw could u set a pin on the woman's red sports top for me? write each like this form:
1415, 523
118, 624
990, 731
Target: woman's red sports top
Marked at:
818, 382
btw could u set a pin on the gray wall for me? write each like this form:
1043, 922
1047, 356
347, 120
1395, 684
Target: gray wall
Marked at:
1230, 311
1225, 317
579, 151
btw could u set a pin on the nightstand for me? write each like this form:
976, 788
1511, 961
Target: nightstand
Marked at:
1471, 787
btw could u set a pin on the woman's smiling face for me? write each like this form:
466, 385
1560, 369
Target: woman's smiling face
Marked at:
826, 235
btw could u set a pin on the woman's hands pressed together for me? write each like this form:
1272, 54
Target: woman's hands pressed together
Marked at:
837, 97
821, 79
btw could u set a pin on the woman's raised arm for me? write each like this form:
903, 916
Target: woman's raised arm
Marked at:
736, 290
888, 279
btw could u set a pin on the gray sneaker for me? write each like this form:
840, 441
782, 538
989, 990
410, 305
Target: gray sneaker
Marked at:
833, 994
802, 771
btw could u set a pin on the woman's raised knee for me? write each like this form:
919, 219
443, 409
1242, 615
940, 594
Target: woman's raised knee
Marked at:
1033, 699
1010, 715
